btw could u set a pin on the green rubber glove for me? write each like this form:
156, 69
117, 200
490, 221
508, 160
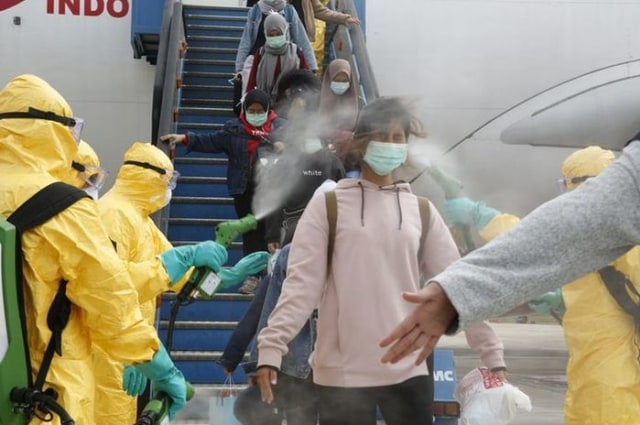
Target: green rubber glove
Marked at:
133, 381
247, 266
549, 302
468, 212
167, 378
177, 261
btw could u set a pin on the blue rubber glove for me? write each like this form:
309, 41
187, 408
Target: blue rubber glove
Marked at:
549, 302
167, 378
247, 266
468, 212
177, 261
133, 381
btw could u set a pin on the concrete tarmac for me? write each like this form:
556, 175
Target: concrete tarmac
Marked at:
536, 356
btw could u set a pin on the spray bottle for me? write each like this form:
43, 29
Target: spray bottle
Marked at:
156, 412
204, 282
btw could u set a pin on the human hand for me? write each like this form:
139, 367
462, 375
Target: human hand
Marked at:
173, 139
273, 247
423, 327
133, 381
278, 147
266, 376
352, 20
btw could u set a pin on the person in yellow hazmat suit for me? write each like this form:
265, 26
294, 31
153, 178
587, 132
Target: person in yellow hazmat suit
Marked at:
90, 176
603, 372
38, 140
140, 190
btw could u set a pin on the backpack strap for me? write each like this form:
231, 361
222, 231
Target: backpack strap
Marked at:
332, 216
40, 208
622, 290
425, 216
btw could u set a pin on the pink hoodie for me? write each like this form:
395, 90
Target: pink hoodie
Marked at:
375, 258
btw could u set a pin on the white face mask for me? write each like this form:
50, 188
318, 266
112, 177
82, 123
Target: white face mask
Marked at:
92, 191
167, 196
339, 88
312, 145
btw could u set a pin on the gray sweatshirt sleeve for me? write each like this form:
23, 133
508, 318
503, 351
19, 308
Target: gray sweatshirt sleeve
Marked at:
564, 239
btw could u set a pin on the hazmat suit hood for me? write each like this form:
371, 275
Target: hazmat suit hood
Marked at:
37, 144
146, 188
587, 162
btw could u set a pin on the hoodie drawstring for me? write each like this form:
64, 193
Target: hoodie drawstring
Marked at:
381, 188
361, 204
399, 208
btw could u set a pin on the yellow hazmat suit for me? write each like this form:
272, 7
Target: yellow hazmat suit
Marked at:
72, 246
137, 193
603, 372
85, 156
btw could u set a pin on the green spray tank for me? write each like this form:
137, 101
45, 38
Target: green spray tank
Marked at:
204, 282
18, 402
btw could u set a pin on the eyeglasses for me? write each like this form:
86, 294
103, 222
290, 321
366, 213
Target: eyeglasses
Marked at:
74, 124
564, 183
92, 175
171, 176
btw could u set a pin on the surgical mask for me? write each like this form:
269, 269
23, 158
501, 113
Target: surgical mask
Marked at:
339, 88
167, 196
92, 191
270, 2
276, 41
256, 120
312, 145
383, 157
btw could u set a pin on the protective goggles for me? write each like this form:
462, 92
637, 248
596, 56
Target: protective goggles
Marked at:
170, 176
565, 183
74, 124
93, 176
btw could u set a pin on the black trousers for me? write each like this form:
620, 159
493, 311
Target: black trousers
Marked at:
410, 402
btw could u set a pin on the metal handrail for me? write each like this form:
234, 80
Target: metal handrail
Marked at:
166, 91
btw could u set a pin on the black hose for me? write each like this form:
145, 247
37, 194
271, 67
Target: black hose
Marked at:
172, 324
36, 399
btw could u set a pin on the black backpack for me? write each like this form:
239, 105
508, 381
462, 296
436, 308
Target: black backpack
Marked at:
41, 207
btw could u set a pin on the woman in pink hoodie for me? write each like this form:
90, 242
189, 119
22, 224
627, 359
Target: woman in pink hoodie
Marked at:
375, 256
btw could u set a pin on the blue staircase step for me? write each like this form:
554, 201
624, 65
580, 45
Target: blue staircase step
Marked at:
205, 102
203, 167
220, 53
196, 207
199, 335
206, 77
208, 65
205, 90
204, 28
223, 307
210, 40
202, 186
201, 368
205, 115
198, 127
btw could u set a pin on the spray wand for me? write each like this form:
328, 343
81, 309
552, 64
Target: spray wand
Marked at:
452, 188
156, 411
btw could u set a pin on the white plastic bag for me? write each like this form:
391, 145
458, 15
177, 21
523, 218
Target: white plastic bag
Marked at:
487, 400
